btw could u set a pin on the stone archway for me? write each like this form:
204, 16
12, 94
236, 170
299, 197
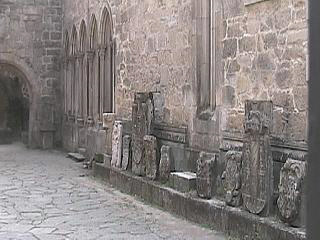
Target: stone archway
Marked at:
19, 89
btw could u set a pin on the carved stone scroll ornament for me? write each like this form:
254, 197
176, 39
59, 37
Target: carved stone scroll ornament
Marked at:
257, 166
291, 192
232, 178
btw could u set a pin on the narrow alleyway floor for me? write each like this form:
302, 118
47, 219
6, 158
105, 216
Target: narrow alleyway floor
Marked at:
44, 195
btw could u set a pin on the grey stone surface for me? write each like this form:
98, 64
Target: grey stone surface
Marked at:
77, 157
183, 181
126, 153
151, 157
291, 201
205, 174
108, 121
117, 135
257, 165
232, 178
50, 197
142, 117
166, 164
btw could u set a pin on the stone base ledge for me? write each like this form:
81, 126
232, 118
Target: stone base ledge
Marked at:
213, 213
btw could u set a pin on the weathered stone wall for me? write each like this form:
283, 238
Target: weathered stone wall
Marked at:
153, 51
30, 44
264, 55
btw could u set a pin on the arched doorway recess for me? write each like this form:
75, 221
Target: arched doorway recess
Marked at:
17, 105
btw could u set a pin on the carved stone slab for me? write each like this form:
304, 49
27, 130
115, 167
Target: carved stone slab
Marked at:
117, 144
291, 193
108, 121
165, 163
150, 156
205, 175
142, 117
126, 152
257, 165
232, 178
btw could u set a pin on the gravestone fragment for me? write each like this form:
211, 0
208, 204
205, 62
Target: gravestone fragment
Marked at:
257, 165
142, 118
150, 156
126, 153
108, 121
232, 178
117, 144
165, 163
205, 174
291, 201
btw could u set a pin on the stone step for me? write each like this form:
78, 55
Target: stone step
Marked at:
76, 157
183, 181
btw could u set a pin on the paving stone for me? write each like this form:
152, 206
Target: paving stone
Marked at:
44, 198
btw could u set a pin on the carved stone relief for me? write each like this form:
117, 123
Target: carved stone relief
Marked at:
257, 165
291, 193
232, 178
205, 174
142, 117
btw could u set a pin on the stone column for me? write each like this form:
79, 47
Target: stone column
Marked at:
142, 117
73, 80
81, 87
102, 54
66, 63
90, 59
257, 164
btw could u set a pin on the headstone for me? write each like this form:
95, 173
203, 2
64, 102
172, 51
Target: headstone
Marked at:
291, 201
150, 156
183, 181
142, 117
232, 178
117, 144
108, 121
205, 175
126, 153
166, 163
257, 165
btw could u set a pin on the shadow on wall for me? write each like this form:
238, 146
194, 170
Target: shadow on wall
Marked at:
14, 111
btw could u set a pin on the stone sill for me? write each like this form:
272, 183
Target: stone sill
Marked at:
213, 213
250, 2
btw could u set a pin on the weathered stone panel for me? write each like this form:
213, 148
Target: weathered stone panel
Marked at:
257, 164
117, 135
142, 117
232, 178
151, 157
291, 201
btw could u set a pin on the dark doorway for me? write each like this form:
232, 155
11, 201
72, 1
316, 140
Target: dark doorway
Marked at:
14, 109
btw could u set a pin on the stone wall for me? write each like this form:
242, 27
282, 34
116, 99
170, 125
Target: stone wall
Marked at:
30, 47
264, 55
153, 51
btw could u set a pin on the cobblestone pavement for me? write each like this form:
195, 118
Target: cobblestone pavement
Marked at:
44, 195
